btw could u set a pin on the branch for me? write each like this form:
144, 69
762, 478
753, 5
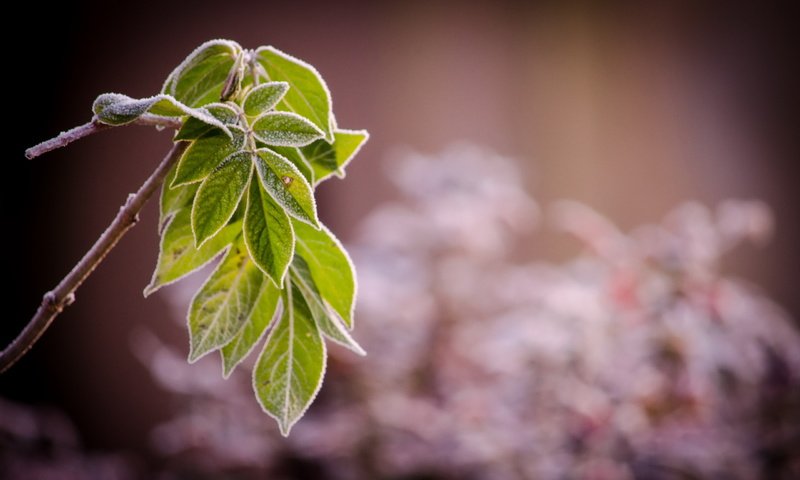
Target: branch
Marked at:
63, 295
65, 138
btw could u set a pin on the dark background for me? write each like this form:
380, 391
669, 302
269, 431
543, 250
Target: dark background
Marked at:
630, 109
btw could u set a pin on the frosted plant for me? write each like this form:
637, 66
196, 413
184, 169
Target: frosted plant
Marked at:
255, 135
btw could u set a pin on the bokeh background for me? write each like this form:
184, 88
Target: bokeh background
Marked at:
631, 109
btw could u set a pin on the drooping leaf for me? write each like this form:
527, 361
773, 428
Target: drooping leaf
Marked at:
200, 78
289, 370
193, 129
264, 97
330, 266
256, 324
118, 109
294, 155
205, 154
219, 195
178, 256
284, 182
308, 96
285, 129
174, 199
328, 159
327, 321
268, 233
221, 307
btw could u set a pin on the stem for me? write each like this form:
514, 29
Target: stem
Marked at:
65, 138
63, 295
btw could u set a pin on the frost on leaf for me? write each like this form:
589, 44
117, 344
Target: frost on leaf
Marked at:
193, 129
219, 196
261, 315
289, 371
201, 77
118, 109
287, 186
328, 159
285, 129
179, 257
308, 96
330, 267
205, 154
327, 321
268, 233
264, 97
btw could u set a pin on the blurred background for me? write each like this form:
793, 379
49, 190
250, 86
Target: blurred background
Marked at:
499, 111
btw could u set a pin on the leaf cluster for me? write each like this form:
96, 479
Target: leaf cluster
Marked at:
263, 136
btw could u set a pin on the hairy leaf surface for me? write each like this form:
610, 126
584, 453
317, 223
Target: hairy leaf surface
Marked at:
308, 96
284, 182
179, 257
268, 233
256, 324
289, 371
285, 129
219, 196
221, 307
330, 266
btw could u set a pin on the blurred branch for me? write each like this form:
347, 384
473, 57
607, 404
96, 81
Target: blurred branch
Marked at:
63, 295
65, 138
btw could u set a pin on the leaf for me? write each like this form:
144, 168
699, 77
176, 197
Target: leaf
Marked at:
294, 155
174, 199
286, 185
327, 159
327, 321
289, 370
118, 109
268, 234
221, 307
193, 128
285, 129
308, 96
264, 97
200, 78
219, 195
205, 154
330, 266
178, 256
256, 324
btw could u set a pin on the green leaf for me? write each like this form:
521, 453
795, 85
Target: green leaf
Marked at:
289, 370
330, 266
294, 155
118, 109
219, 195
327, 321
286, 185
328, 159
221, 307
193, 128
200, 78
174, 199
268, 234
264, 97
285, 129
179, 257
256, 324
205, 154
308, 96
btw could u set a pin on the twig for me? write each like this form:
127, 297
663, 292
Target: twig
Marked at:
65, 138
63, 295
